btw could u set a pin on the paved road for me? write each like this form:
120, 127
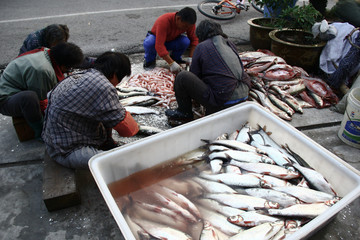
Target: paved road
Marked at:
97, 26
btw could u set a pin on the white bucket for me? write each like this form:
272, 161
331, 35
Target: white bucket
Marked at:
349, 131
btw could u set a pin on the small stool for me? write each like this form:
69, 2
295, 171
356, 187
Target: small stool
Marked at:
23, 131
59, 187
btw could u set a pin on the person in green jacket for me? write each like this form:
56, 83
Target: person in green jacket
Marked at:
27, 79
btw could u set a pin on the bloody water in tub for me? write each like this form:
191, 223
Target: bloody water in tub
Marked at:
137, 187
150, 176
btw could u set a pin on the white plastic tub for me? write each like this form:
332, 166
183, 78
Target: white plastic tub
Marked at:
133, 157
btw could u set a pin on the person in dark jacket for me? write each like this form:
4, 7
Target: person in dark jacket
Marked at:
27, 79
216, 79
46, 37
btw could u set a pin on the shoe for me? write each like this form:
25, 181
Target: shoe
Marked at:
149, 64
178, 115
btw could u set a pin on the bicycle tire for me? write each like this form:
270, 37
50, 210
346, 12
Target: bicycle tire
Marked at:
257, 7
205, 8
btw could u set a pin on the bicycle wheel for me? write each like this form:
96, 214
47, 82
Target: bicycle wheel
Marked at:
257, 7
211, 9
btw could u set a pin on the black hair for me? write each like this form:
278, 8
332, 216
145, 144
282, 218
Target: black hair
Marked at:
110, 63
207, 29
187, 15
54, 34
67, 54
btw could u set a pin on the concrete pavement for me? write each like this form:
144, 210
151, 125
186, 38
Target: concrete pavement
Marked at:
23, 214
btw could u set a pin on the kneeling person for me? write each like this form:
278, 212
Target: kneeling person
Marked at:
84, 108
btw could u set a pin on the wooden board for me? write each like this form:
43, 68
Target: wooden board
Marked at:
59, 186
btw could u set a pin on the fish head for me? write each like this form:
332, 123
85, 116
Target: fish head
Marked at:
272, 205
265, 184
235, 219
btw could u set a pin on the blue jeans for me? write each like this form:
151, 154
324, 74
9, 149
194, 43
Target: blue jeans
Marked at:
177, 47
77, 159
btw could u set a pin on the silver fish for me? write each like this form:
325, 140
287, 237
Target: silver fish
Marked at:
242, 156
234, 145
138, 211
251, 219
214, 187
218, 207
281, 104
272, 181
219, 221
288, 99
123, 95
264, 168
233, 135
310, 210
135, 228
149, 130
216, 165
306, 195
243, 135
131, 89
161, 231
241, 201
208, 232
172, 205
139, 101
262, 231
265, 101
275, 154
316, 179
137, 110
233, 179
318, 100
181, 200
274, 195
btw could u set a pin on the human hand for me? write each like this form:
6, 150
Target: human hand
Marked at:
187, 60
175, 67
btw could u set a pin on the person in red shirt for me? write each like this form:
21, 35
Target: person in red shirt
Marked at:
167, 34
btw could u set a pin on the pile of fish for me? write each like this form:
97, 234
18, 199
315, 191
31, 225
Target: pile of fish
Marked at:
284, 89
154, 87
241, 185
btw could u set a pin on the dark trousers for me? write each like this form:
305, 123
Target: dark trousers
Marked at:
189, 87
23, 104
